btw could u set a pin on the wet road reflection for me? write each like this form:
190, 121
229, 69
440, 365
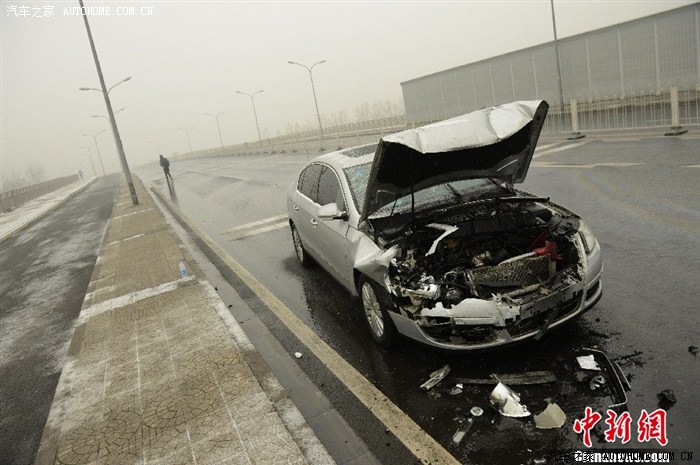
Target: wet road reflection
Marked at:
227, 193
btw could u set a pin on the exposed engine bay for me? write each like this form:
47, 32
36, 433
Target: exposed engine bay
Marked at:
513, 265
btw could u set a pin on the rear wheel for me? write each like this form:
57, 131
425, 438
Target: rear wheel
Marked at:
376, 303
299, 249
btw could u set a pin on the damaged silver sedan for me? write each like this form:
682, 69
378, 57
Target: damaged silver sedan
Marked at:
427, 228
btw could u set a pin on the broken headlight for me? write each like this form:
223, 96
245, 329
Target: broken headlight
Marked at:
586, 236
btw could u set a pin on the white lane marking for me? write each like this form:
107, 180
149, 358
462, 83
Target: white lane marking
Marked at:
125, 239
546, 146
543, 164
420, 443
255, 223
127, 299
562, 148
261, 230
691, 166
132, 213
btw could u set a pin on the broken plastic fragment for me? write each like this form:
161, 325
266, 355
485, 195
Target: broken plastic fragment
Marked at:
552, 417
508, 402
477, 411
435, 377
693, 350
456, 390
587, 362
532, 377
297, 354
597, 382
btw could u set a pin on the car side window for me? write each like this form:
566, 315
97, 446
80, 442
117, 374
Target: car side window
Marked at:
329, 189
308, 182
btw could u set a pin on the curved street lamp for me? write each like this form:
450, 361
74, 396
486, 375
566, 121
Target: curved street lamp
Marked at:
255, 113
99, 155
101, 116
108, 90
313, 89
187, 131
218, 127
89, 155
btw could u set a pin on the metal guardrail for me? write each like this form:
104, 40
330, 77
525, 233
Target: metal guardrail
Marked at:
637, 111
12, 199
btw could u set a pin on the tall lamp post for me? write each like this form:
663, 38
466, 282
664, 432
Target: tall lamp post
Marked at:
313, 89
99, 155
89, 155
218, 127
255, 113
105, 94
556, 46
187, 131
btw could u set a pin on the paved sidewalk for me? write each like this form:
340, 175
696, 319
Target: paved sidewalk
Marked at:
157, 371
21, 217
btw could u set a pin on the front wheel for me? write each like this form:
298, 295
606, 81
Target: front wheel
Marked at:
376, 303
299, 249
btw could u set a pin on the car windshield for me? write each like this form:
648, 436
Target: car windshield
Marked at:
456, 191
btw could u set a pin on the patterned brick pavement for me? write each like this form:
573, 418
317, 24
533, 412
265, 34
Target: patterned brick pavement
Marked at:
154, 375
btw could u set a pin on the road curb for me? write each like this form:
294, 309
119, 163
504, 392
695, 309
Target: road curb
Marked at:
293, 420
30, 222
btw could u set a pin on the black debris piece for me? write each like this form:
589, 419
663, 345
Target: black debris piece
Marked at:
693, 350
666, 399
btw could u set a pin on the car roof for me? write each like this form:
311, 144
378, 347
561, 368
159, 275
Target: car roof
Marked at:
345, 158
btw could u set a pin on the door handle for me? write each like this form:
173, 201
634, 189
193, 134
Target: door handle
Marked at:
314, 222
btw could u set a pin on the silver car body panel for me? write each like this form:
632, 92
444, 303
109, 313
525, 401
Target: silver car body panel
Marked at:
349, 248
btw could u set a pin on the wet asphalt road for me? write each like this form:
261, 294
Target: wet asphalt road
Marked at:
44, 271
640, 198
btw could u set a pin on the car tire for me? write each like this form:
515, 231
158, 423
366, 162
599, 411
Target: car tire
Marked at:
376, 303
302, 256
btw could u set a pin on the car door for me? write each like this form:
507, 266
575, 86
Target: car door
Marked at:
305, 208
331, 233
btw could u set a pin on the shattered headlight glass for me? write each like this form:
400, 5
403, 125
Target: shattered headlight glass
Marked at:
586, 236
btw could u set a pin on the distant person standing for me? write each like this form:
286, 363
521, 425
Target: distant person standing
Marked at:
165, 164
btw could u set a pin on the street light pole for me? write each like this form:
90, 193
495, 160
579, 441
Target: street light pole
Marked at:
187, 131
89, 155
105, 93
99, 155
255, 113
313, 89
556, 45
218, 127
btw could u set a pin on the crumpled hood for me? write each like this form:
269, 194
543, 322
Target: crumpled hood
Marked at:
496, 142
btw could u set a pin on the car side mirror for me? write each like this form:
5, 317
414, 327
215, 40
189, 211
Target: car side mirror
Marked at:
331, 212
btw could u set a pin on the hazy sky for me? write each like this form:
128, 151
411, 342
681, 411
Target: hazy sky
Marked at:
187, 58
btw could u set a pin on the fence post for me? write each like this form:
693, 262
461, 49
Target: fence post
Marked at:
575, 133
676, 128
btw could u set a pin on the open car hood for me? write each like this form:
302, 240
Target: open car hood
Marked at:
496, 142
